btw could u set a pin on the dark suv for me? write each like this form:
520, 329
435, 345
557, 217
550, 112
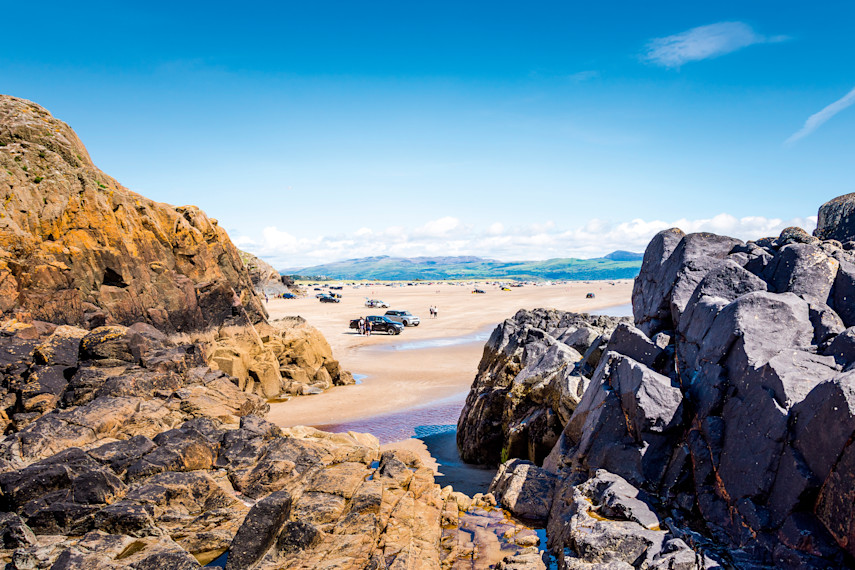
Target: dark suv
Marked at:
382, 324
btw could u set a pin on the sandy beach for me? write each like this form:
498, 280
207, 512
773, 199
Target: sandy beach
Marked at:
433, 362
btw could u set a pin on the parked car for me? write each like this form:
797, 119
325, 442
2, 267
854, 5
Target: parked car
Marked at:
590, 296
404, 317
478, 291
380, 323
329, 299
376, 303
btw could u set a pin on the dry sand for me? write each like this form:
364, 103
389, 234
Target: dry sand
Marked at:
400, 377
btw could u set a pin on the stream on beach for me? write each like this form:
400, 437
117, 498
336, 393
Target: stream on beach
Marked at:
435, 423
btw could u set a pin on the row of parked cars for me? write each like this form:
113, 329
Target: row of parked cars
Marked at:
393, 322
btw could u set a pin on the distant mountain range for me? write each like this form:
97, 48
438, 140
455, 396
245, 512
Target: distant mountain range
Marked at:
616, 265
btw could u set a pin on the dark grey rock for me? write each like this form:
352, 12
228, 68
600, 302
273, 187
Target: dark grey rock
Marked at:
836, 219
524, 489
631, 342
617, 499
259, 531
796, 235
843, 293
296, 536
14, 533
802, 269
530, 379
826, 323
842, 348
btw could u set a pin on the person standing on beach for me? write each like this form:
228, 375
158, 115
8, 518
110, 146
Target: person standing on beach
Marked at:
367, 327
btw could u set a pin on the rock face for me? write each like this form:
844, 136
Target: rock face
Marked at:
836, 219
124, 449
532, 375
265, 279
730, 406
65, 387
289, 358
78, 248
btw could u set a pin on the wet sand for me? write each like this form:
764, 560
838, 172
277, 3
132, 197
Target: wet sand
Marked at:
433, 363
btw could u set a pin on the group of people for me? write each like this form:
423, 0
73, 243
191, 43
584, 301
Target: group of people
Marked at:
434, 312
363, 326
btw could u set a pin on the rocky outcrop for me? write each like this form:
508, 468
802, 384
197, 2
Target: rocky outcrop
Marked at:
287, 358
78, 248
728, 407
63, 387
836, 219
265, 279
727, 431
296, 498
124, 448
534, 370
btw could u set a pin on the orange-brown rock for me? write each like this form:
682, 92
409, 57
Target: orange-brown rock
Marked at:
76, 247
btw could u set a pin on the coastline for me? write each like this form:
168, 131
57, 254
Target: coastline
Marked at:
400, 380
422, 376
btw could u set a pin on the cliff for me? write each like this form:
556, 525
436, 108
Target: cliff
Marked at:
718, 430
76, 247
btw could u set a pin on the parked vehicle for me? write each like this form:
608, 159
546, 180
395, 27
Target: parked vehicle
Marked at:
329, 299
380, 323
376, 303
506, 288
590, 296
404, 317
478, 291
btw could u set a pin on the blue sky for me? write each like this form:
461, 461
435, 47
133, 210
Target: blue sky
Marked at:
324, 130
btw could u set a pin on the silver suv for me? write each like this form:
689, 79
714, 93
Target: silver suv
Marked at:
404, 317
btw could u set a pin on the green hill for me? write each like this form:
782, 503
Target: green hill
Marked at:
626, 266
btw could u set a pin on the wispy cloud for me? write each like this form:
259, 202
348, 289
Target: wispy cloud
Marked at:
450, 236
817, 119
704, 42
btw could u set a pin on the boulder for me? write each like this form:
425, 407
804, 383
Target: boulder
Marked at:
259, 531
674, 264
802, 269
836, 219
524, 489
531, 377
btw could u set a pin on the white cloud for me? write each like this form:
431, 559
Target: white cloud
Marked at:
817, 119
704, 42
438, 228
496, 229
449, 236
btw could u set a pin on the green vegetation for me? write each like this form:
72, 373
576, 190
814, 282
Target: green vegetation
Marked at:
24, 168
42, 154
442, 268
39, 179
101, 185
